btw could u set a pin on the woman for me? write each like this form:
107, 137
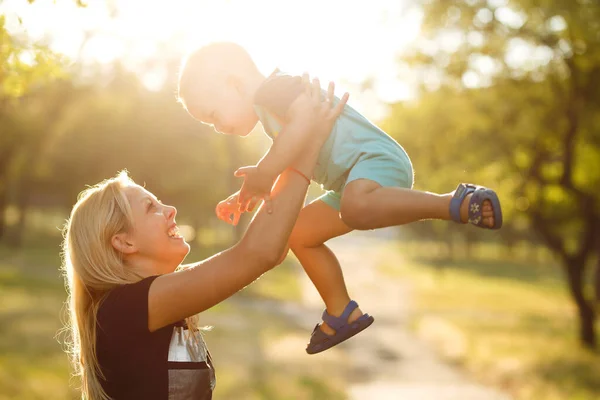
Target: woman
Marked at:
133, 306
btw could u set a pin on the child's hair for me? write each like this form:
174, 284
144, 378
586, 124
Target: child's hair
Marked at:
92, 267
219, 60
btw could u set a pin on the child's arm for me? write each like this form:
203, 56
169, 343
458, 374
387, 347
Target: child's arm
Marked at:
258, 180
299, 124
291, 142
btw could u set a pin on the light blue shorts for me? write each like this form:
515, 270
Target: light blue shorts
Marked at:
385, 169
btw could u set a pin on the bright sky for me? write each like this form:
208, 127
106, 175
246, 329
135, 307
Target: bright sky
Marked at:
346, 41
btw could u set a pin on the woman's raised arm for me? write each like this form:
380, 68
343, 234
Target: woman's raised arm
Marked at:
178, 295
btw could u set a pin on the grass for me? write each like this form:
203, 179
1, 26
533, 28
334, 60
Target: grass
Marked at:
512, 325
281, 283
34, 366
255, 359
32, 363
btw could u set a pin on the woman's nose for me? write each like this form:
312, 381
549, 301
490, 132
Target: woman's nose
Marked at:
171, 212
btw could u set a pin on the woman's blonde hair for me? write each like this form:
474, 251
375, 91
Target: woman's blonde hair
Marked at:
92, 267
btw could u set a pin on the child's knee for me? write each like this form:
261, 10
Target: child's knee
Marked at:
354, 211
297, 238
302, 238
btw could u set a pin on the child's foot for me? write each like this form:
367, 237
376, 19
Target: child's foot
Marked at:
476, 205
354, 315
338, 328
487, 212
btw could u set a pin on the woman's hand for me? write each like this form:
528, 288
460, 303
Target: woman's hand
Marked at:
325, 116
326, 113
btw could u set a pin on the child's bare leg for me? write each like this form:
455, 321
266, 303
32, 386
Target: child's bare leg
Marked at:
368, 205
316, 224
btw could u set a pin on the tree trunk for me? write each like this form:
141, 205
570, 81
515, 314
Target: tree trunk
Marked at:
597, 278
470, 241
509, 240
4, 161
587, 334
23, 194
3, 205
451, 246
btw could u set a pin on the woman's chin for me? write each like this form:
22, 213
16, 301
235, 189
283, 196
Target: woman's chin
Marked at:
181, 254
185, 250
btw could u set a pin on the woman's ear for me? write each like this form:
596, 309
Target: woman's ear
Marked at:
121, 242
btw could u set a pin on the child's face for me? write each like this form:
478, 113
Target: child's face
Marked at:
228, 107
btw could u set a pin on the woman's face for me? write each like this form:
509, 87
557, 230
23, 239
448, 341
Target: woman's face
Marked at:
154, 238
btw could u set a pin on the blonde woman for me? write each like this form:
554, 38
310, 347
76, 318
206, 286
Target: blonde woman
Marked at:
133, 306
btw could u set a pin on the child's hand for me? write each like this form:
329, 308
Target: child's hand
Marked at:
228, 210
256, 186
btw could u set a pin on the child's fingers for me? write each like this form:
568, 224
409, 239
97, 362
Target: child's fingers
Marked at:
242, 205
244, 202
241, 171
252, 203
244, 195
223, 216
222, 211
236, 218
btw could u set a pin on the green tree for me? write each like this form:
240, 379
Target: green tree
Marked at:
24, 68
518, 97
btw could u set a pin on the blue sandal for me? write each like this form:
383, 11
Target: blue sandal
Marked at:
480, 194
320, 341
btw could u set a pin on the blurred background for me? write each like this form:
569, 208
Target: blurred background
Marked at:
503, 93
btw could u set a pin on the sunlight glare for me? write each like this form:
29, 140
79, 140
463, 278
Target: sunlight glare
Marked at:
104, 49
336, 40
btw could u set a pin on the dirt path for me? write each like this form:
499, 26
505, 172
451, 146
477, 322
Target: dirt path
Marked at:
388, 361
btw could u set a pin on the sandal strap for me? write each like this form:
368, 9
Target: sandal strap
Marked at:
476, 208
462, 190
338, 322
